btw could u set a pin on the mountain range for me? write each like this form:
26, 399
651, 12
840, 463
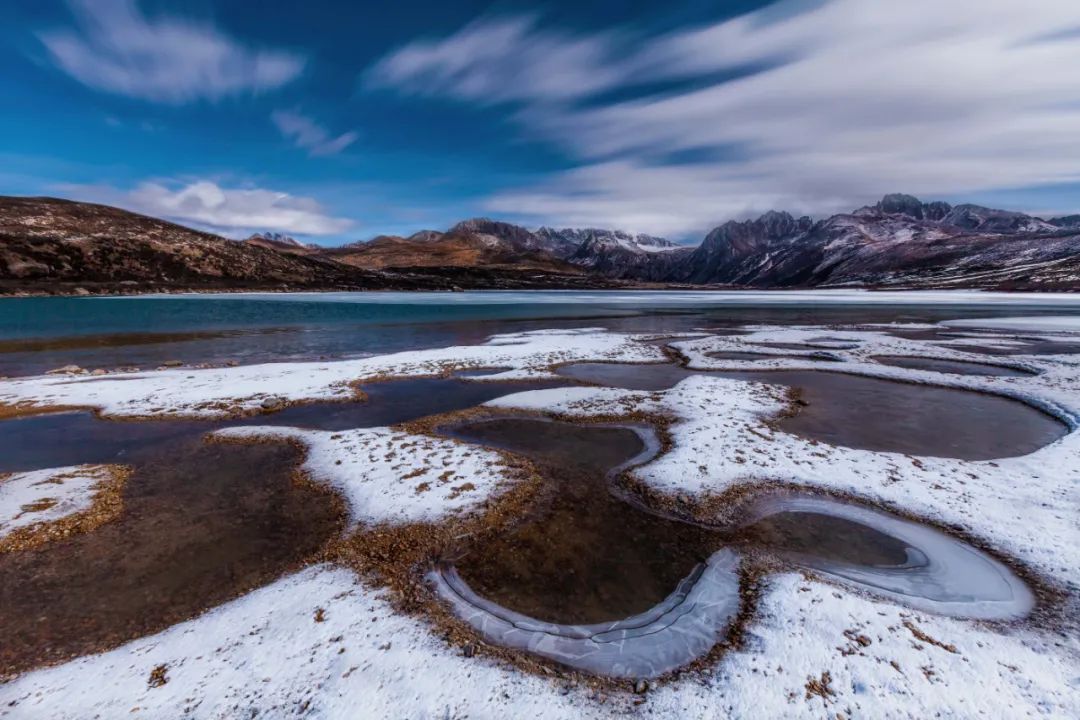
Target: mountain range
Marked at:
49, 245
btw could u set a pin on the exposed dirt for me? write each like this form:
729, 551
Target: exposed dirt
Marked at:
202, 524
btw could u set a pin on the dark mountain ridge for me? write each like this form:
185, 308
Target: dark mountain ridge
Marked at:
900, 242
53, 246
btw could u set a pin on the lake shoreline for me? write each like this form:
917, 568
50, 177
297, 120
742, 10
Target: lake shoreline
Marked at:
451, 284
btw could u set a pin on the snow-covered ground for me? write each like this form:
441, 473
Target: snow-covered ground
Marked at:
1053, 323
40, 497
390, 476
219, 392
812, 649
265, 655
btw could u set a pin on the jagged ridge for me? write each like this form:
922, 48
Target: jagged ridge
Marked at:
898, 242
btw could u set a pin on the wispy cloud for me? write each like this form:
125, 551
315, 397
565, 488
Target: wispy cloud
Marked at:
309, 135
846, 100
235, 211
116, 48
494, 60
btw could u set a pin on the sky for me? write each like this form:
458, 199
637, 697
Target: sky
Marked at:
339, 121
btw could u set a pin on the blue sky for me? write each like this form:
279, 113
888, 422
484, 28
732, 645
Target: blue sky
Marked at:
336, 121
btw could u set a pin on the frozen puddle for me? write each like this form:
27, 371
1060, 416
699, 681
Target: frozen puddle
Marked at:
794, 352
870, 413
934, 571
587, 579
580, 554
594, 581
915, 419
1020, 346
952, 367
660, 376
667, 636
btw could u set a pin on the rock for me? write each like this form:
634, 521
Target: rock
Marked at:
172, 363
99, 371
232, 363
66, 370
82, 292
641, 687
272, 403
902, 204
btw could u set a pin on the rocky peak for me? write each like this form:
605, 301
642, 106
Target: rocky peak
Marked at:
902, 204
936, 210
976, 218
1066, 221
278, 238
425, 236
279, 241
514, 235
908, 206
773, 225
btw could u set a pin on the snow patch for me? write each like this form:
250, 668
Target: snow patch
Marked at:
44, 496
219, 392
1053, 323
391, 476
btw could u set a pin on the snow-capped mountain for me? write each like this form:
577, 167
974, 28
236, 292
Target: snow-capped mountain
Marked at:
617, 254
900, 241
897, 242
282, 242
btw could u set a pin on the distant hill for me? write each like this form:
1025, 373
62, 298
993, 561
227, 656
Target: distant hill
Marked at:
471, 244
60, 246
281, 242
50, 245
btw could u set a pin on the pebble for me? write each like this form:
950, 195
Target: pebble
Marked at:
69, 369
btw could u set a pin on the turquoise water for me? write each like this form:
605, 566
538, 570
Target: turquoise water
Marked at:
63, 317
37, 334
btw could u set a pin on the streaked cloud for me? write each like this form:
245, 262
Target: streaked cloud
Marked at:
494, 60
309, 135
809, 106
114, 47
208, 205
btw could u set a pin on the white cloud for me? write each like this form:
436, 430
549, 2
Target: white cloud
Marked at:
234, 211
116, 48
832, 104
495, 60
309, 135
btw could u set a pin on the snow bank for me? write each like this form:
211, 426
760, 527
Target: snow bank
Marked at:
220, 392
817, 651
267, 655
45, 496
389, 476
